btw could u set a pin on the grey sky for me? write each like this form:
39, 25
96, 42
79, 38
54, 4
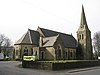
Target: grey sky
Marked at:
16, 16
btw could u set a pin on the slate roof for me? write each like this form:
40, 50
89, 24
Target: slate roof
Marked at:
30, 37
50, 37
49, 41
68, 40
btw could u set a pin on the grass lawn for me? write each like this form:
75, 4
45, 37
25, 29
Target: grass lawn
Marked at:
64, 61
60, 61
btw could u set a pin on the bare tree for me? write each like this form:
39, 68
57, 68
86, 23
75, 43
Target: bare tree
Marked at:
5, 42
96, 44
2, 39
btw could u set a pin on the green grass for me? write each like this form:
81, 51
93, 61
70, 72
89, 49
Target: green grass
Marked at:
64, 61
60, 61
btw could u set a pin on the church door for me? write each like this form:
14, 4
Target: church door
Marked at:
42, 55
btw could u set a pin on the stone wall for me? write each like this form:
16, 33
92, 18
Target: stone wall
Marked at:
71, 65
59, 65
50, 53
19, 50
70, 53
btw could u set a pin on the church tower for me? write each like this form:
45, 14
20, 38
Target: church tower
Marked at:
84, 38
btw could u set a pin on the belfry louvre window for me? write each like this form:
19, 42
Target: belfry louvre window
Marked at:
79, 36
82, 36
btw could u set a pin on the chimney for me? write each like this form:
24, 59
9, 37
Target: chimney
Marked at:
41, 41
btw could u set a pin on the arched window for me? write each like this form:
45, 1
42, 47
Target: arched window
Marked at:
31, 51
66, 54
36, 53
71, 54
26, 51
59, 52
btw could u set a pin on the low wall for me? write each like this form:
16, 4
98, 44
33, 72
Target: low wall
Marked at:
71, 65
59, 66
37, 65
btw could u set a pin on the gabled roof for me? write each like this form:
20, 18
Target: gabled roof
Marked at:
68, 40
34, 35
49, 41
30, 37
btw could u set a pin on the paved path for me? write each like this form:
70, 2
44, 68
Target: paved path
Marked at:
10, 68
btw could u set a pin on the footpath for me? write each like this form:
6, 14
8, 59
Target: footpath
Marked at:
83, 69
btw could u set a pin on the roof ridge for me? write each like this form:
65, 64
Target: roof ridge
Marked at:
30, 36
31, 30
22, 38
51, 36
56, 31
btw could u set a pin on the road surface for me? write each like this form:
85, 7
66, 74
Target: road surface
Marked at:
11, 68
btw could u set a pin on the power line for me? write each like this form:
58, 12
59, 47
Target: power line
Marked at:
48, 12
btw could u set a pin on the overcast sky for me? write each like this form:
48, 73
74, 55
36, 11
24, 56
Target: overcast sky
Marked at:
16, 16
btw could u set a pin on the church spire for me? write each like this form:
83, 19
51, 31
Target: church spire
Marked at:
83, 18
84, 39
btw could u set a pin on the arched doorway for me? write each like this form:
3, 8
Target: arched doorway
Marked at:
42, 55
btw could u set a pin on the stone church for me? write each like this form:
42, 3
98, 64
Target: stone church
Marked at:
47, 44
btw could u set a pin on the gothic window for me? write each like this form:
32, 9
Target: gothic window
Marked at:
71, 54
66, 54
31, 51
36, 53
59, 52
26, 51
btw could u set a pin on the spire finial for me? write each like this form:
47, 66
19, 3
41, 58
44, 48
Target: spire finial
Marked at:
83, 18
